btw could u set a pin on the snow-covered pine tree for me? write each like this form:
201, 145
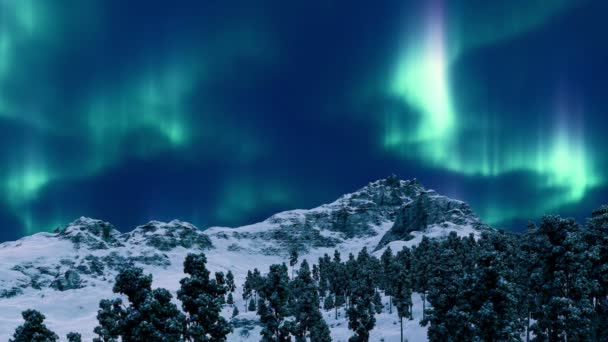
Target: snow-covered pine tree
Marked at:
33, 329
230, 282
293, 258
273, 305
386, 276
328, 303
449, 313
309, 322
596, 236
251, 306
362, 289
74, 337
423, 255
401, 284
563, 308
493, 297
377, 301
150, 316
200, 299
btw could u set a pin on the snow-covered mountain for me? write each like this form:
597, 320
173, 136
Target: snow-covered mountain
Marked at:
66, 273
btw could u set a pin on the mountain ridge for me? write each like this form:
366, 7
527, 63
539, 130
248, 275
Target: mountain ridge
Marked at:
82, 258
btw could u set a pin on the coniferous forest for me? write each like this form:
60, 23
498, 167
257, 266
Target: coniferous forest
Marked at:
549, 283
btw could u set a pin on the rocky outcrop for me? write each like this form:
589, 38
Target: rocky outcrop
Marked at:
167, 236
94, 234
68, 281
430, 209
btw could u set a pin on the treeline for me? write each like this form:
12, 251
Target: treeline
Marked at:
547, 284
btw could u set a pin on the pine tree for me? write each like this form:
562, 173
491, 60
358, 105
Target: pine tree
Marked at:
563, 309
361, 311
235, 312
449, 314
387, 277
315, 272
110, 318
251, 306
230, 299
494, 294
200, 299
150, 315
328, 303
423, 255
74, 337
308, 318
377, 301
293, 258
230, 282
248, 289
596, 236
338, 281
33, 330
272, 305
402, 285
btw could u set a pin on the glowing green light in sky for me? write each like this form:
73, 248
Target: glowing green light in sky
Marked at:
421, 80
24, 184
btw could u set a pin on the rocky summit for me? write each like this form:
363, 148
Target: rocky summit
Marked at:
73, 268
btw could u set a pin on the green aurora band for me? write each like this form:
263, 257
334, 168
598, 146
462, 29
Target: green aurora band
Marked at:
155, 109
421, 80
149, 112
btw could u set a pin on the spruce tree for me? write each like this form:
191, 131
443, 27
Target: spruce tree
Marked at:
110, 317
74, 337
361, 310
235, 311
230, 299
251, 306
293, 258
449, 313
309, 321
596, 236
230, 285
33, 329
328, 303
423, 255
563, 307
387, 276
377, 301
402, 285
200, 297
273, 305
494, 294
150, 316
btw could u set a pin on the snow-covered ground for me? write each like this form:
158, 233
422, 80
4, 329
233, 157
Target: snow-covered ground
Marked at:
75, 310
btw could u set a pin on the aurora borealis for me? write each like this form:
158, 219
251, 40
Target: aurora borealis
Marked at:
224, 113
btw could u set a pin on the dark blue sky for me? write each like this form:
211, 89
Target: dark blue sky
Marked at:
222, 113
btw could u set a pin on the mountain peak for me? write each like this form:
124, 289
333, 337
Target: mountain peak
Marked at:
96, 234
166, 236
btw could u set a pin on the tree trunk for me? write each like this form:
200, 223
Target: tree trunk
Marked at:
390, 304
423, 304
401, 322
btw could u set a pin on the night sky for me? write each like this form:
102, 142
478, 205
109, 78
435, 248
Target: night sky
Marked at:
225, 112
